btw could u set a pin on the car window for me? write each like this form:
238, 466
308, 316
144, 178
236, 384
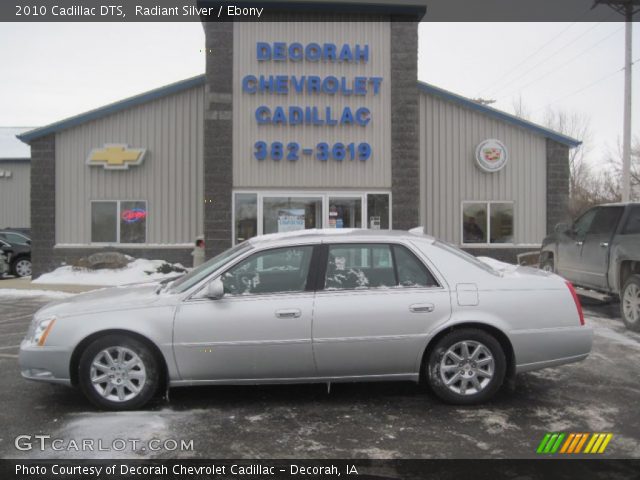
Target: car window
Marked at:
411, 271
581, 226
273, 271
15, 238
605, 220
633, 222
362, 266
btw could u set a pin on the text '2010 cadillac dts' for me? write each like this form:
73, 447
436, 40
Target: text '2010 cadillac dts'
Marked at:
313, 306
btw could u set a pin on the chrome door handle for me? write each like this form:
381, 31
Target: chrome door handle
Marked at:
422, 307
288, 313
579, 243
604, 244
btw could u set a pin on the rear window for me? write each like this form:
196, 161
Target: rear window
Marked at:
465, 256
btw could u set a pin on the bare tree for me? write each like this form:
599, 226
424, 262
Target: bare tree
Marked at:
614, 160
520, 109
582, 180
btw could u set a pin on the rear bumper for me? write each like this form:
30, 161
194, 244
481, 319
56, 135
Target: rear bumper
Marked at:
550, 347
44, 364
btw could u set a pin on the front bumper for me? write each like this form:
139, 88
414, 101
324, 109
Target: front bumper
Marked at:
44, 364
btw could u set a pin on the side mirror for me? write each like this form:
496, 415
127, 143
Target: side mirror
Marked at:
215, 290
562, 228
28, 242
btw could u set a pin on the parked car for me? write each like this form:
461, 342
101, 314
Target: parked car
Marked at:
600, 252
313, 306
18, 251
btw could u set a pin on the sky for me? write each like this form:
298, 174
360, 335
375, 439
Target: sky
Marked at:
51, 71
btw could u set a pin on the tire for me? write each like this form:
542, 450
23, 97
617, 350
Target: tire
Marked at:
547, 265
478, 387
21, 267
119, 391
630, 303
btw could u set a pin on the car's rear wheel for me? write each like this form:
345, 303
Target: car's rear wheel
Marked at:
630, 303
21, 267
118, 372
466, 366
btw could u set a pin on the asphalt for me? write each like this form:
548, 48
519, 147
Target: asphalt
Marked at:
376, 420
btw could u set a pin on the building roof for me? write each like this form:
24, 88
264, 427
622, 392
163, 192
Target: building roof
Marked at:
498, 114
199, 80
10, 147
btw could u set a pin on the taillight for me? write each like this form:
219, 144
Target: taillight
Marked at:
577, 300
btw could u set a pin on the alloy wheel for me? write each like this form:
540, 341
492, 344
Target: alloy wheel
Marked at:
23, 268
118, 374
467, 367
631, 303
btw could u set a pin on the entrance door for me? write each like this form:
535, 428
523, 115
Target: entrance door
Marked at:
260, 328
374, 312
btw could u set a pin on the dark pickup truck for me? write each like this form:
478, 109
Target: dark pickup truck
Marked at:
600, 252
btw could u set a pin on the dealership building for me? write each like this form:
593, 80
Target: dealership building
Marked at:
294, 125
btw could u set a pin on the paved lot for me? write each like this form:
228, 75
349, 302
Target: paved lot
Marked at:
386, 420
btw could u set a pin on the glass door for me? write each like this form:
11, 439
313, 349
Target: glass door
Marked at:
287, 214
345, 212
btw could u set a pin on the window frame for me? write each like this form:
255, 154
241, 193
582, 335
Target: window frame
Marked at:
119, 213
323, 195
324, 258
488, 243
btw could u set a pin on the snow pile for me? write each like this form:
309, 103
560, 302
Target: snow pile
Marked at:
15, 292
135, 272
497, 265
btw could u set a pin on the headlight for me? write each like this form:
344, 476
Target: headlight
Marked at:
42, 329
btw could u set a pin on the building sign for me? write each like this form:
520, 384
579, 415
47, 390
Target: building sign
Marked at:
313, 88
491, 155
116, 157
290, 219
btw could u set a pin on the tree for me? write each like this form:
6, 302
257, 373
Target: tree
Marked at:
615, 162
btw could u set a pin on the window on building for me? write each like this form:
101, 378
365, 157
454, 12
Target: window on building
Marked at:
274, 271
118, 221
378, 211
362, 266
246, 216
487, 222
287, 214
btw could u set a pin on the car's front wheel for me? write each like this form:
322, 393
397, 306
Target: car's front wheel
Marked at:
630, 303
118, 372
466, 366
21, 267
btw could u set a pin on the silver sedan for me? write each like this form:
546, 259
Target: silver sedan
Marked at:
313, 306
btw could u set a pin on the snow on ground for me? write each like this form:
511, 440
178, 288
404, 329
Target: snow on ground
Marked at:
135, 272
15, 292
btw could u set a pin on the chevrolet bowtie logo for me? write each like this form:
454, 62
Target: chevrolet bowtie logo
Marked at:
116, 157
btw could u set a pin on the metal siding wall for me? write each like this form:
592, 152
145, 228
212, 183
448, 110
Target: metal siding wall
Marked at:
169, 179
449, 135
15, 204
309, 172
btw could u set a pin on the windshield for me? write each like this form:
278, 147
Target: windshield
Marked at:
466, 256
207, 268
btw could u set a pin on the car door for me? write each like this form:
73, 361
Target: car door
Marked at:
260, 329
373, 310
595, 249
570, 248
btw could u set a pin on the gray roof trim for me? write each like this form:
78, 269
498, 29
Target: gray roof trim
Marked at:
498, 114
149, 96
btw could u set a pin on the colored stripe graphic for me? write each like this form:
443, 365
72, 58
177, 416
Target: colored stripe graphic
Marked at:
572, 443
